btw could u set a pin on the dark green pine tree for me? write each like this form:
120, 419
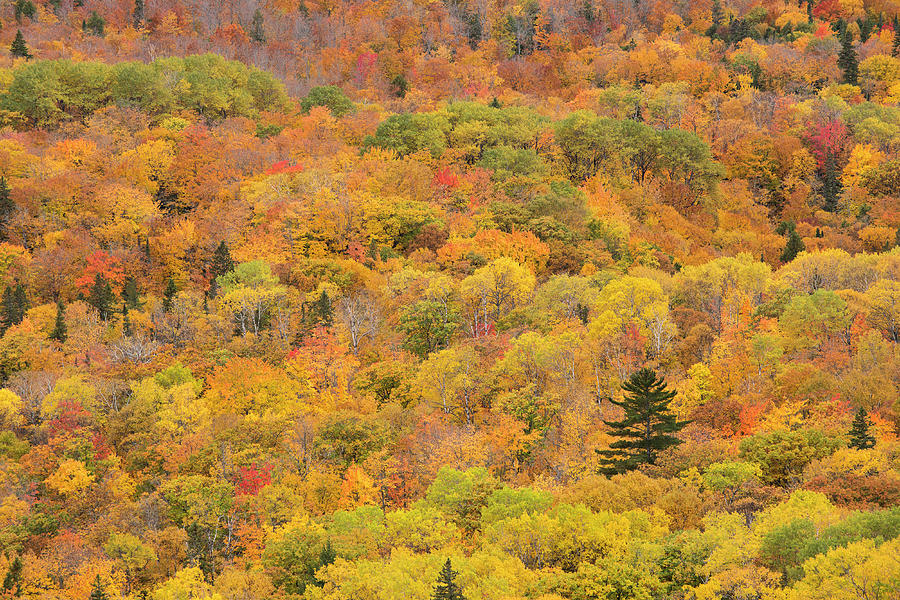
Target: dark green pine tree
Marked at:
60, 331
7, 208
131, 294
793, 247
95, 24
895, 48
101, 297
831, 183
12, 583
97, 590
323, 311
718, 17
19, 47
847, 60
169, 294
860, 438
137, 17
257, 28
648, 427
222, 262
126, 321
24, 8
14, 305
447, 588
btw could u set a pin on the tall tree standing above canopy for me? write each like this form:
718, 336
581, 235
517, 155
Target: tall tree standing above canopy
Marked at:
7, 206
647, 427
14, 305
447, 588
19, 47
860, 438
847, 60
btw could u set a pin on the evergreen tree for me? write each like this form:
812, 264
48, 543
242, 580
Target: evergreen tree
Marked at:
257, 29
95, 24
323, 311
7, 207
126, 321
169, 294
860, 438
19, 47
137, 17
793, 247
495, 103
101, 297
447, 588
718, 17
400, 85
14, 305
831, 183
24, 8
647, 427
12, 583
131, 294
97, 590
895, 48
222, 262
60, 331
847, 60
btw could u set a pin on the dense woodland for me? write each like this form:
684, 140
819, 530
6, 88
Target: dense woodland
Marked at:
450, 299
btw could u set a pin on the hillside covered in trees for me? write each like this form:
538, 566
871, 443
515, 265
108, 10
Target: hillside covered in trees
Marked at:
450, 300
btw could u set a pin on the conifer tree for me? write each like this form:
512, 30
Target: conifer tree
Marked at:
447, 588
60, 332
793, 247
12, 582
126, 321
130, 292
95, 24
101, 297
7, 207
14, 305
169, 294
847, 60
860, 438
895, 48
831, 183
647, 428
222, 262
19, 47
97, 590
137, 17
257, 29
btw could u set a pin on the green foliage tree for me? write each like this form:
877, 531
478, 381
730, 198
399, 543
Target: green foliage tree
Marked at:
95, 24
860, 437
19, 48
7, 208
24, 8
329, 96
101, 297
14, 305
137, 16
447, 588
98, 590
782, 455
647, 428
12, 582
169, 294
60, 331
428, 325
794, 245
847, 59
257, 28
131, 294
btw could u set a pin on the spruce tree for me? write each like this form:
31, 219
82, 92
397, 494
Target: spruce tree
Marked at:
97, 590
12, 582
860, 438
718, 17
60, 331
95, 24
831, 183
447, 588
19, 47
169, 294
126, 321
257, 29
137, 17
647, 428
895, 48
222, 262
7, 207
793, 247
14, 305
101, 297
130, 292
24, 8
847, 60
